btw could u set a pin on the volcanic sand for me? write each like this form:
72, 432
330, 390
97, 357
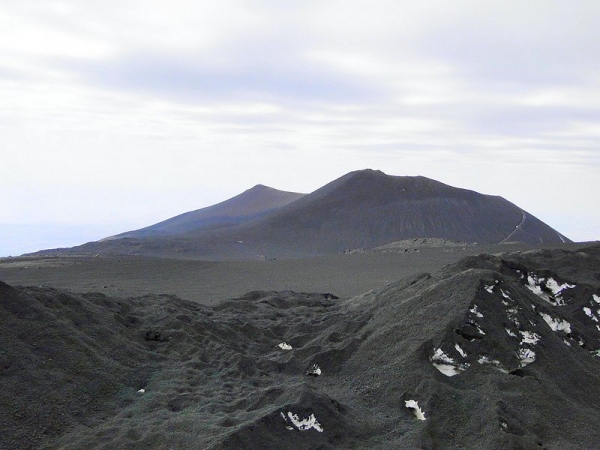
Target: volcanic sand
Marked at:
101, 370
208, 282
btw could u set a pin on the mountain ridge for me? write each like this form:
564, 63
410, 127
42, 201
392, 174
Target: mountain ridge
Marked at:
246, 206
362, 209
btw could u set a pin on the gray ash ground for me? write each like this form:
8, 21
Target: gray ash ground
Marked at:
492, 352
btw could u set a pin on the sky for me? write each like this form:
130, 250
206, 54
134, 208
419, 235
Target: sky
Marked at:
115, 115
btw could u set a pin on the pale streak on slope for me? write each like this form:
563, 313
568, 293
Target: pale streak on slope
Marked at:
517, 228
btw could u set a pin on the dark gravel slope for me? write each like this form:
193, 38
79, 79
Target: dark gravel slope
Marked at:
493, 352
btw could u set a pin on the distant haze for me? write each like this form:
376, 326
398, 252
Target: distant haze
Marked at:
118, 115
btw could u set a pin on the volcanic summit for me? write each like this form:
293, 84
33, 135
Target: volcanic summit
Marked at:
362, 209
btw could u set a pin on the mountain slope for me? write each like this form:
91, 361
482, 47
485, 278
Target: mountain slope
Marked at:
365, 208
246, 206
368, 208
492, 352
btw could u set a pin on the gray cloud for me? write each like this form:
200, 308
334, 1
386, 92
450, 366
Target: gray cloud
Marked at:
234, 94
187, 81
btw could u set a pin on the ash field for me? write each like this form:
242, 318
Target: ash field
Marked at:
384, 338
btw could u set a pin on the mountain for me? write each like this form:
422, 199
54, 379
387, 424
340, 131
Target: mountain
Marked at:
490, 352
369, 208
244, 207
365, 208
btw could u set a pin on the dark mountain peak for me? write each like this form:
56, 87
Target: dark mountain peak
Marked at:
259, 188
374, 186
246, 206
361, 209
367, 173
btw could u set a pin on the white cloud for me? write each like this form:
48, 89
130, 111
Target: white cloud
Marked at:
160, 99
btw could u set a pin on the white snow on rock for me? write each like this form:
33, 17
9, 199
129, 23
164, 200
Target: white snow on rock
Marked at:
414, 406
505, 295
474, 310
315, 371
490, 288
446, 365
588, 312
534, 284
304, 424
487, 360
511, 313
556, 288
460, 351
596, 298
526, 355
510, 333
284, 346
449, 370
529, 337
141, 391
439, 355
556, 324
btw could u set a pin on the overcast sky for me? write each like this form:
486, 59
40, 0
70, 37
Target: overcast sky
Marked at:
118, 114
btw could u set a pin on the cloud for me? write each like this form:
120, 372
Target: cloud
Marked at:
193, 81
212, 97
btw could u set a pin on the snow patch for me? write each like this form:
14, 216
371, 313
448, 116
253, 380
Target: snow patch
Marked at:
141, 391
511, 313
414, 406
490, 288
487, 360
556, 288
314, 371
448, 369
529, 337
446, 365
556, 324
304, 424
284, 346
460, 350
526, 355
505, 295
439, 355
588, 312
596, 298
534, 284
510, 333
474, 310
